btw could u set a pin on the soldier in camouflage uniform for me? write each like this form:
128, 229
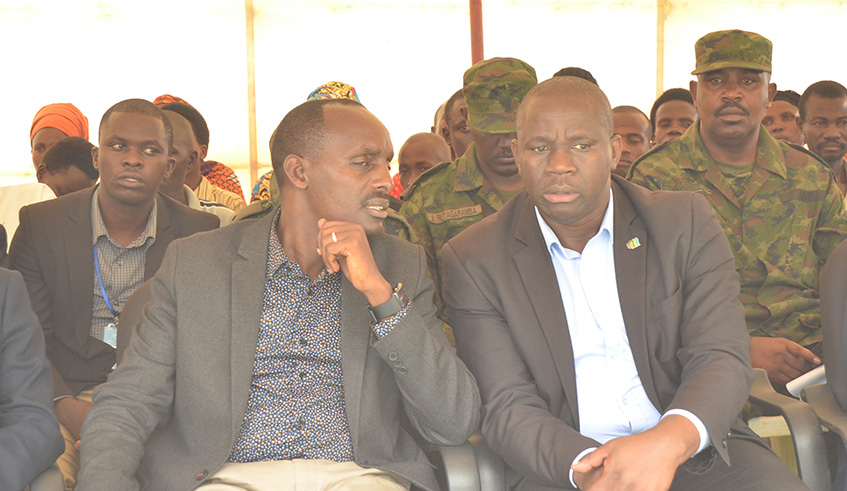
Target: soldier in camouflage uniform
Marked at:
452, 196
778, 204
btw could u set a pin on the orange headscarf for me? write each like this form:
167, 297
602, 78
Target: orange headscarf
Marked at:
64, 116
167, 99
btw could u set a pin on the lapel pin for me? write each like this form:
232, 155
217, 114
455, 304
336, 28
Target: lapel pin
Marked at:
633, 243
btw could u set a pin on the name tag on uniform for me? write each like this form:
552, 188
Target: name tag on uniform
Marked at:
443, 216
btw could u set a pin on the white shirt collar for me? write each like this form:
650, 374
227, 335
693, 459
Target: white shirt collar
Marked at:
608, 225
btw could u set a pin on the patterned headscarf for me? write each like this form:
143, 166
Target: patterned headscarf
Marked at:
64, 116
167, 99
334, 90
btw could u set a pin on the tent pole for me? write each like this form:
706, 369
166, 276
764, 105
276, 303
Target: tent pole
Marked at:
476, 31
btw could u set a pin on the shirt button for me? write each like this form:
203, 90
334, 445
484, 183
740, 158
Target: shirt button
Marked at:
309, 291
302, 375
301, 422
304, 342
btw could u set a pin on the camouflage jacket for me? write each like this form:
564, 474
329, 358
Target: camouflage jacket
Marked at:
781, 230
445, 200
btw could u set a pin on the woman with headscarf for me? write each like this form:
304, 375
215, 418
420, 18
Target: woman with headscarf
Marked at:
52, 123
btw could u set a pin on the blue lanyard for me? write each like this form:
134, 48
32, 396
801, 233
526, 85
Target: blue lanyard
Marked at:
100, 280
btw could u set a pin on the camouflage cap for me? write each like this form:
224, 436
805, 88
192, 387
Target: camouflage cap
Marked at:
493, 91
732, 49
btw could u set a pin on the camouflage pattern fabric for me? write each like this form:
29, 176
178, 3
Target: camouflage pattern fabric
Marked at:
493, 90
394, 223
445, 200
781, 230
732, 49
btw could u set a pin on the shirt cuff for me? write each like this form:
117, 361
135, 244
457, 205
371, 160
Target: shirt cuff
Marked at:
385, 326
577, 459
705, 441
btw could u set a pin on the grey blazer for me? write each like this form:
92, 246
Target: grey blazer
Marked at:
176, 402
52, 250
30, 440
679, 296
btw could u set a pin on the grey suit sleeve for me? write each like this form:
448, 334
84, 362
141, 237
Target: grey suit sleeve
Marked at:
714, 348
30, 440
138, 394
440, 395
24, 258
517, 422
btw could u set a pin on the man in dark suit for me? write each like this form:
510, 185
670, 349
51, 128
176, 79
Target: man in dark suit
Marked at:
29, 434
126, 225
602, 320
233, 378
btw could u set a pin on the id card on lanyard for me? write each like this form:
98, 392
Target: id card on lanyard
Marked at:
110, 334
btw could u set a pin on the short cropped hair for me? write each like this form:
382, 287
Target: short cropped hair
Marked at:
827, 89
634, 110
71, 152
301, 131
142, 107
675, 94
450, 103
198, 123
575, 71
566, 85
788, 96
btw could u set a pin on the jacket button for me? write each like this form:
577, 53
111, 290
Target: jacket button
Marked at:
724, 443
201, 475
392, 356
402, 370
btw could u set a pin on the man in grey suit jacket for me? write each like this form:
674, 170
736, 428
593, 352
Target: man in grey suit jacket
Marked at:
602, 320
247, 326
29, 433
54, 249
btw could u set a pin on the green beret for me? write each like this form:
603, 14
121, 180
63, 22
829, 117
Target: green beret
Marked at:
493, 91
732, 49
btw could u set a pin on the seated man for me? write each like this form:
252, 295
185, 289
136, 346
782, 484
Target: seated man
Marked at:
421, 152
782, 118
248, 382
671, 115
82, 256
68, 166
778, 205
636, 133
186, 159
30, 439
602, 320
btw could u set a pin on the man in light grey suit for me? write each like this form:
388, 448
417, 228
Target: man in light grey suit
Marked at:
300, 351
602, 321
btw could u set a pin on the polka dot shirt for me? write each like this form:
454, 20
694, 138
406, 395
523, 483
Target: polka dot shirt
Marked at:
296, 405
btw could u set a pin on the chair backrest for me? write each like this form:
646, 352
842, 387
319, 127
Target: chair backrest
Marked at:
833, 291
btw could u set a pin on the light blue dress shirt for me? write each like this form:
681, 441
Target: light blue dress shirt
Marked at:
611, 397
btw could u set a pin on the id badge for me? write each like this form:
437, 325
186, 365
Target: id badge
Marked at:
110, 335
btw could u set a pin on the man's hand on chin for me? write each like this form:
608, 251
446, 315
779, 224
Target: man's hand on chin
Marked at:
646, 461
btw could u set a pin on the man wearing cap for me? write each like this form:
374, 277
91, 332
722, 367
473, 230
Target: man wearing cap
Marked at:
452, 196
779, 206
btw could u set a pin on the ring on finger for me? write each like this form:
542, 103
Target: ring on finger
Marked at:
334, 237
